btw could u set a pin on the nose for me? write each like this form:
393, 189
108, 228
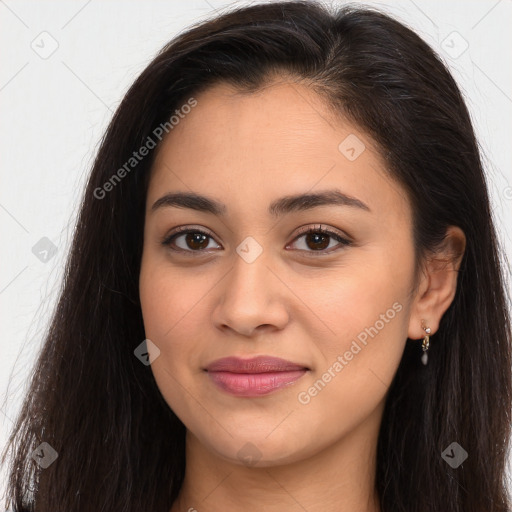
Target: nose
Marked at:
251, 299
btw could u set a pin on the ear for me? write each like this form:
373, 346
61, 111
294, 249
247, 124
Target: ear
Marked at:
438, 283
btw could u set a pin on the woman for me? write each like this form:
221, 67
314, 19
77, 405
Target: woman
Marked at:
284, 289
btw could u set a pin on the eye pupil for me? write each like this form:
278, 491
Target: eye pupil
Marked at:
196, 238
317, 238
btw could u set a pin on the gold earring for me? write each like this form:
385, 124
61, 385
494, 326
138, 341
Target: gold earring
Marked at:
425, 344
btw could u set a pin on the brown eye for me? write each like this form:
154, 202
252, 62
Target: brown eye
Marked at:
189, 240
320, 240
317, 241
196, 240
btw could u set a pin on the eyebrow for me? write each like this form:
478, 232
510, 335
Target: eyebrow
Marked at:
279, 207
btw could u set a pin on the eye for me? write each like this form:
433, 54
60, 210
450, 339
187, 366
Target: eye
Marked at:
188, 240
320, 240
195, 240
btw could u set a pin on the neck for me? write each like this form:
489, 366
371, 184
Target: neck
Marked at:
339, 478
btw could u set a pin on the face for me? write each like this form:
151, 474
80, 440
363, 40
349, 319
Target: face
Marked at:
247, 279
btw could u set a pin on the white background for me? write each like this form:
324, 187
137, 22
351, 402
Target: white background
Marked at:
54, 111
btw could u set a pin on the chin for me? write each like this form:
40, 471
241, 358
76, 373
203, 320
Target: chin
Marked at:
258, 451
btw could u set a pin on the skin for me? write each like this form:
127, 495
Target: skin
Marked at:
292, 301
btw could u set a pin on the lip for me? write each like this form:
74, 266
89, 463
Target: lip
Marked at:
253, 377
260, 364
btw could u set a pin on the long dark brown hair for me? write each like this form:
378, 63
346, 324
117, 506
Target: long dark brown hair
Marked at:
120, 447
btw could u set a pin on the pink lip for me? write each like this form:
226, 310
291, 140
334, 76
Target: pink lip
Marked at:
254, 377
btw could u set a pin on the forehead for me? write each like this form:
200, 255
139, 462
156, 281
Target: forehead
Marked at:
282, 139
282, 116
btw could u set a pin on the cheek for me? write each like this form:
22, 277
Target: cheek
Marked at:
366, 308
173, 305
357, 299
169, 296
166, 310
357, 364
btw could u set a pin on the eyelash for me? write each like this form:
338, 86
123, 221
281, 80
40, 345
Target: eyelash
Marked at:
344, 242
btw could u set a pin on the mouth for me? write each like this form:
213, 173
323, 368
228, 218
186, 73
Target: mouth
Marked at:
254, 377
